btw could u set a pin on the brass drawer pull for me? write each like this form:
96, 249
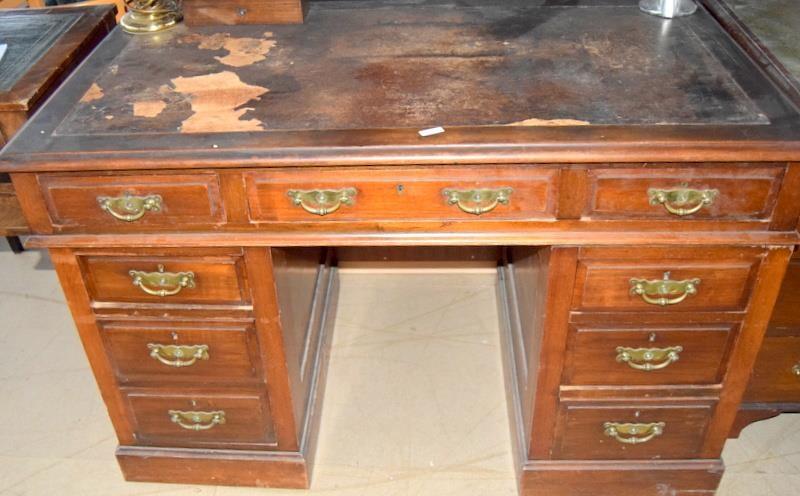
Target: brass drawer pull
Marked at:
197, 421
796, 370
477, 201
178, 356
323, 201
682, 201
634, 433
129, 208
665, 291
162, 283
648, 359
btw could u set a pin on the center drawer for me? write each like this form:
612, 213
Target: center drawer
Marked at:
653, 355
179, 352
374, 194
665, 279
631, 432
167, 277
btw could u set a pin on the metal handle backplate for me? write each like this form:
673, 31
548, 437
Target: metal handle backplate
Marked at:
323, 201
634, 433
129, 208
178, 355
477, 201
663, 292
682, 201
197, 421
648, 359
162, 283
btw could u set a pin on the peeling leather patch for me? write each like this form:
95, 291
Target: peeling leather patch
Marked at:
550, 122
216, 100
149, 108
241, 51
95, 92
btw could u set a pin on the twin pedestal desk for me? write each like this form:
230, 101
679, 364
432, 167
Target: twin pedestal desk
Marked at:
193, 187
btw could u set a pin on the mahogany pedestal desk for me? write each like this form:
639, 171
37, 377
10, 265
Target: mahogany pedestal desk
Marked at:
193, 188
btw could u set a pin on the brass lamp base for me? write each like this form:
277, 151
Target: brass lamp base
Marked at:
137, 23
151, 16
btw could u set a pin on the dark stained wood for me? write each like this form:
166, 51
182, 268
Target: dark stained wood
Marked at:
230, 352
654, 478
186, 200
775, 379
211, 12
604, 276
220, 467
219, 278
748, 194
387, 194
247, 419
554, 101
581, 436
592, 354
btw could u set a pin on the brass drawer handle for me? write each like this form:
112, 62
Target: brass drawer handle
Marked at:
634, 433
796, 370
197, 421
129, 208
477, 201
682, 201
162, 283
178, 356
649, 359
665, 291
323, 201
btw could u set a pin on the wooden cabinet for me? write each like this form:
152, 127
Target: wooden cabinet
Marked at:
43, 46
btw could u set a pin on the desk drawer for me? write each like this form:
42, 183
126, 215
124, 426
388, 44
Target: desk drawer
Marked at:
776, 376
133, 202
181, 352
785, 319
725, 193
202, 419
655, 355
608, 432
374, 194
166, 279
665, 279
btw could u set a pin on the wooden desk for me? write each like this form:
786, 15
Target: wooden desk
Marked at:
44, 46
193, 188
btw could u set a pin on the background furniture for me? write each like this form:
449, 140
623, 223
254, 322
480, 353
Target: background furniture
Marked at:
44, 47
768, 29
193, 190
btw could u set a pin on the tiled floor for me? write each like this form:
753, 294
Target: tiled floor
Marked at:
414, 406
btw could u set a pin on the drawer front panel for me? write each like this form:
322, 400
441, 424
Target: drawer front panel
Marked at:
402, 194
200, 280
202, 420
665, 280
133, 203
657, 355
181, 353
600, 433
725, 193
786, 314
776, 376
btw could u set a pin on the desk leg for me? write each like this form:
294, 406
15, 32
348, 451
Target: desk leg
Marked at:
15, 244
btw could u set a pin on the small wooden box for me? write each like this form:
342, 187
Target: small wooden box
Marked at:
211, 12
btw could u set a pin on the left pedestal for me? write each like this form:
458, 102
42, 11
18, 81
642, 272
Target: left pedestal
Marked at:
211, 361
